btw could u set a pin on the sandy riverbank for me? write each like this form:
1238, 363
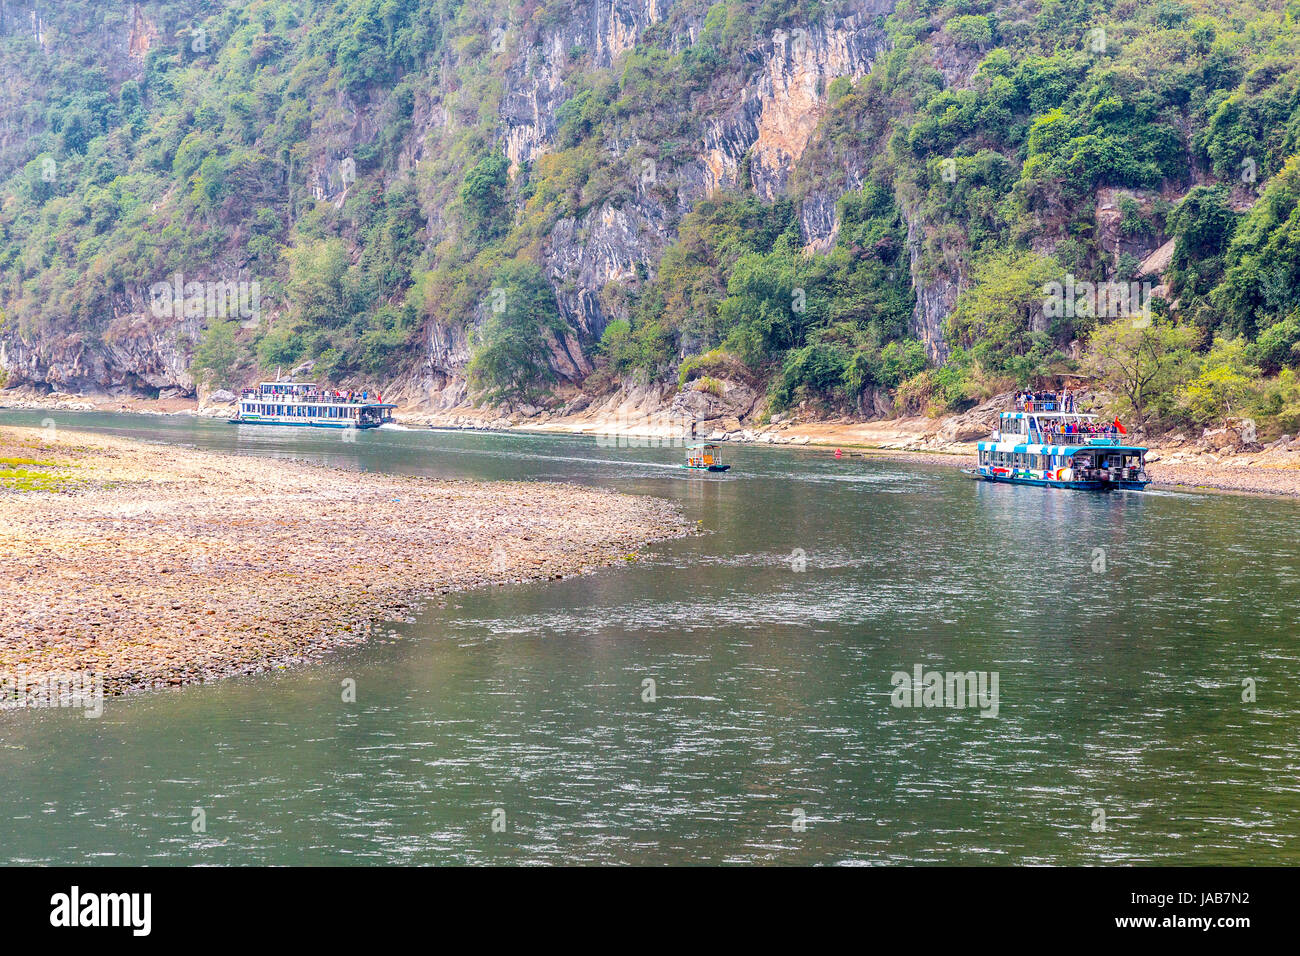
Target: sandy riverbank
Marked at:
909, 439
152, 564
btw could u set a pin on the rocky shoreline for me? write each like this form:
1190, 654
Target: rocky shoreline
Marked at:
155, 565
1219, 461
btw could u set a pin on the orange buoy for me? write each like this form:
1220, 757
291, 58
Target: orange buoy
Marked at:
838, 453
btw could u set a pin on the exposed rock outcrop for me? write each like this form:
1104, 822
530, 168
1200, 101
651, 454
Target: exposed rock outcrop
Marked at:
137, 354
936, 294
776, 111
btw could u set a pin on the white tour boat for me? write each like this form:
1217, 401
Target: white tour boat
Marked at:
305, 403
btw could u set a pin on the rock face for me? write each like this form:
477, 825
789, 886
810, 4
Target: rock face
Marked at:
935, 295
975, 425
1236, 435
778, 109
439, 382
607, 245
768, 119
534, 86
757, 129
1109, 216
137, 354
710, 401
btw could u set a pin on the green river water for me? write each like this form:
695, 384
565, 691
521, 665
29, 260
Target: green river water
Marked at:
771, 736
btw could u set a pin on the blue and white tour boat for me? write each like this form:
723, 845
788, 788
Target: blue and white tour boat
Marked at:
305, 403
1059, 449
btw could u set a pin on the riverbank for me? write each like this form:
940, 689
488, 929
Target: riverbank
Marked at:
1271, 471
156, 565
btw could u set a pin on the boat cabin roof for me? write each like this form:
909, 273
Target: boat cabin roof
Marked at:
339, 404
292, 384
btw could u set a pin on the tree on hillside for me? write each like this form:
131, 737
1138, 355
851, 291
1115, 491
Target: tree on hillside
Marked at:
1146, 365
510, 361
1278, 345
216, 354
1224, 384
1202, 226
1262, 278
994, 317
768, 308
319, 287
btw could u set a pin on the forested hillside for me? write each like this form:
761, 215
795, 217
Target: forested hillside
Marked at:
845, 207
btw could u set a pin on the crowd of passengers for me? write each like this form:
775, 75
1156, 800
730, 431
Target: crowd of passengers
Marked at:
1061, 432
1061, 401
294, 393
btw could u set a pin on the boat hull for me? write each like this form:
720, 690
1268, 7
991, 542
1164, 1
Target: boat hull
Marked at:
339, 425
1132, 485
707, 467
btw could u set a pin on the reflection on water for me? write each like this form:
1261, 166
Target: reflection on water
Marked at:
1120, 690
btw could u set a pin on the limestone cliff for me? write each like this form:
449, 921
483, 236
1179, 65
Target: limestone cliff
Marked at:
762, 125
762, 119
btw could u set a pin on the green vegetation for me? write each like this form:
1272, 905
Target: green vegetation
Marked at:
1146, 365
739, 290
32, 474
1161, 373
27, 479
522, 318
1139, 100
216, 354
201, 166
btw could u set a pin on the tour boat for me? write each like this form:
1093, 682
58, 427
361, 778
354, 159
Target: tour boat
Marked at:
304, 403
704, 458
1061, 450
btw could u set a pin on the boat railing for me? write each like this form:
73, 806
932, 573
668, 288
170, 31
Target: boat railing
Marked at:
1076, 438
310, 398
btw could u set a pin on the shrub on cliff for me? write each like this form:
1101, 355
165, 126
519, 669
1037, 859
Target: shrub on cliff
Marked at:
216, 353
995, 317
509, 360
1223, 385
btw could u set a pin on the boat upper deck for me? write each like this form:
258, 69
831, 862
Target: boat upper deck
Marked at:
1061, 431
309, 393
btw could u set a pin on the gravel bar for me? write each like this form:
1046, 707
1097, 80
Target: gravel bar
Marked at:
153, 565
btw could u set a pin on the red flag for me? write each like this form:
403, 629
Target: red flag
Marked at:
1120, 428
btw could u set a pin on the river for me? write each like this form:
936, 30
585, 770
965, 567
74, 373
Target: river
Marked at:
728, 697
